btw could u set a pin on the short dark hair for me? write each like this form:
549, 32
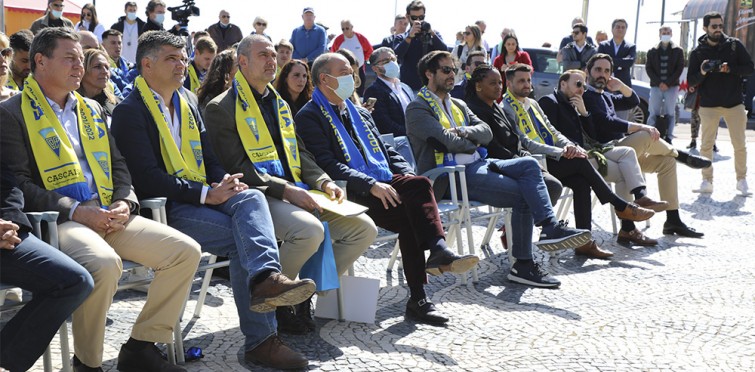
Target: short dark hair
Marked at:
517, 67
431, 62
206, 44
596, 57
128, 4
476, 53
617, 20
199, 34
478, 74
21, 40
47, 40
711, 15
582, 28
152, 4
377, 52
283, 44
415, 5
111, 32
150, 43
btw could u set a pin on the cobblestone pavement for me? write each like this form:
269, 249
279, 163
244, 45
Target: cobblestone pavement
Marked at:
686, 304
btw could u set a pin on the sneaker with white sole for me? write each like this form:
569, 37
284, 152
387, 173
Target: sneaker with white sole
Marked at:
706, 187
531, 273
559, 236
742, 187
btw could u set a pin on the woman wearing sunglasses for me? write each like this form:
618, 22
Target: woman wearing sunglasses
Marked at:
472, 42
90, 22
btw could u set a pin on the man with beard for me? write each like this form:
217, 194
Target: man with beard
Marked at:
718, 65
20, 66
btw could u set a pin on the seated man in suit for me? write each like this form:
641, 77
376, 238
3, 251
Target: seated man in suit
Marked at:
346, 145
279, 165
443, 131
58, 284
392, 95
163, 140
58, 147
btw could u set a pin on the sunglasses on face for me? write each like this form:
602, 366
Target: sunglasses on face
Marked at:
579, 84
478, 63
7, 52
345, 28
86, 15
261, 24
448, 69
717, 26
225, 16
417, 18
576, 32
466, 33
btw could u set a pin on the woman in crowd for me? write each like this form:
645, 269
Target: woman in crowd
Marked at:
96, 82
513, 54
472, 42
90, 22
294, 85
6, 54
219, 77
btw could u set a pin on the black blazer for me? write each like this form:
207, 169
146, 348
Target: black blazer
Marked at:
564, 117
318, 136
136, 133
388, 113
505, 143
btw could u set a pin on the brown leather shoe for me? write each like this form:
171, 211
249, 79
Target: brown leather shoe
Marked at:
634, 212
273, 353
279, 290
592, 250
656, 206
635, 237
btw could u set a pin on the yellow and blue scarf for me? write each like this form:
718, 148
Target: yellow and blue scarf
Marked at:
256, 138
187, 163
11, 83
373, 163
194, 81
532, 126
443, 159
59, 168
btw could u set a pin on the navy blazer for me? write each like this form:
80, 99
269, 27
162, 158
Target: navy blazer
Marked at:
603, 107
388, 112
319, 139
622, 61
136, 135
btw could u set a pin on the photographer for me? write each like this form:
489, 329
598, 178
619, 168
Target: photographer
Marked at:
415, 43
717, 66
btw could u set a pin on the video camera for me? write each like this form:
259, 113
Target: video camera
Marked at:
712, 65
182, 13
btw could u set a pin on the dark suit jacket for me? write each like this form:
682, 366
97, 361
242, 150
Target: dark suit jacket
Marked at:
564, 117
318, 135
221, 128
505, 143
603, 107
12, 200
388, 112
622, 61
18, 156
136, 133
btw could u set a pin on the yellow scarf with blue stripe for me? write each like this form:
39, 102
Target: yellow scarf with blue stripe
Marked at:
59, 167
536, 131
443, 159
188, 162
194, 81
256, 138
11, 83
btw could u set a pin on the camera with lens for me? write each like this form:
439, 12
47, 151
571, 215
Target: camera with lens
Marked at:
182, 13
712, 65
424, 33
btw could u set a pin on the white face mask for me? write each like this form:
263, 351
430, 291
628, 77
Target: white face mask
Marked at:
159, 18
665, 38
57, 13
392, 70
345, 86
131, 16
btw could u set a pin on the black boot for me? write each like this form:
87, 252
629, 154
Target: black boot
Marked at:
304, 313
288, 322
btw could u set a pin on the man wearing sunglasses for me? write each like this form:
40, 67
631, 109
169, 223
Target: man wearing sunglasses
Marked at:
443, 131
52, 18
474, 59
717, 67
392, 96
415, 43
224, 33
576, 54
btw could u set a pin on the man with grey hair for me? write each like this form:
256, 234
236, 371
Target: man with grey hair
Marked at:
88, 40
158, 126
278, 164
86, 180
392, 96
355, 43
347, 146
400, 23
224, 33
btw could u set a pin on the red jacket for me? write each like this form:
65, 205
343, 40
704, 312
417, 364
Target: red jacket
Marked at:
521, 57
366, 46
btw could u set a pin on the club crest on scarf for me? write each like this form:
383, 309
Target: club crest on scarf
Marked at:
52, 140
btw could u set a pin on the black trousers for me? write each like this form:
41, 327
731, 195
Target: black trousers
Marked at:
578, 175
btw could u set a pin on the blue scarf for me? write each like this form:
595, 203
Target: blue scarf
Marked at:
375, 165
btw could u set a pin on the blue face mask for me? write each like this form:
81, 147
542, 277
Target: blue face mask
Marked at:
345, 86
160, 18
131, 16
392, 70
57, 14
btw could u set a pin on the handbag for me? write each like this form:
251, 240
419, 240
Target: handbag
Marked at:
321, 267
690, 100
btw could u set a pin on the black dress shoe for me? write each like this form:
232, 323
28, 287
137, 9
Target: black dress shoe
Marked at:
148, 359
445, 260
81, 367
289, 321
693, 161
424, 311
681, 229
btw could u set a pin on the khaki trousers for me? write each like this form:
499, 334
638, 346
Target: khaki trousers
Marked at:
656, 157
302, 233
623, 170
736, 121
173, 256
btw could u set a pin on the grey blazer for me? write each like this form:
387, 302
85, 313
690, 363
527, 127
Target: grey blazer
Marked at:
553, 152
17, 155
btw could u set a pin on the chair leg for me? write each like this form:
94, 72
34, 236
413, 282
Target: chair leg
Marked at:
509, 233
47, 359
205, 285
339, 301
490, 229
178, 341
171, 354
65, 348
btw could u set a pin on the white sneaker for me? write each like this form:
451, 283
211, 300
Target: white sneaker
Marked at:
742, 187
706, 187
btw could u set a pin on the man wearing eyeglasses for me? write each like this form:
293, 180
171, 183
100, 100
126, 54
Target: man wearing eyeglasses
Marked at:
717, 67
576, 54
392, 96
415, 43
474, 59
52, 18
224, 33
309, 40
443, 131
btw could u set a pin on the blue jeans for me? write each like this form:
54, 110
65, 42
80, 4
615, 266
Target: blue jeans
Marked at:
519, 186
242, 230
663, 102
58, 284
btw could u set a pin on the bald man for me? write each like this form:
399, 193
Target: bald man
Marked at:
88, 40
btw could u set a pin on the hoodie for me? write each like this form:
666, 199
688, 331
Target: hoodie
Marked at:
718, 89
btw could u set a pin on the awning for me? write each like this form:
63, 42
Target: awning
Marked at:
70, 7
696, 9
